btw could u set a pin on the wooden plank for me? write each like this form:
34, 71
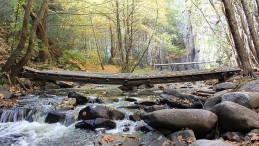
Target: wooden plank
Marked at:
126, 78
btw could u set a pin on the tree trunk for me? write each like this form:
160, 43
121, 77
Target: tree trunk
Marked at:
17, 68
11, 60
251, 25
112, 45
239, 43
44, 54
119, 37
246, 31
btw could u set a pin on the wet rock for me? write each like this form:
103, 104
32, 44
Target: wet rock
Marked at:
143, 127
200, 121
147, 103
204, 142
116, 114
50, 86
135, 117
176, 93
247, 99
7, 94
130, 99
114, 92
252, 86
224, 86
96, 123
180, 102
185, 135
153, 138
214, 100
93, 111
155, 108
116, 140
63, 84
55, 116
235, 117
80, 99
145, 92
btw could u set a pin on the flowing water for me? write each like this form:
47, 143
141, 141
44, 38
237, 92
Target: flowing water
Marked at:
24, 125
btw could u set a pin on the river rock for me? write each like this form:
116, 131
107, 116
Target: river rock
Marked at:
224, 86
135, 117
80, 99
63, 84
130, 99
205, 142
180, 102
247, 99
200, 121
185, 135
252, 86
96, 111
114, 92
116, 140
96, 123
155, 108
146, 103
176, 93
214, 100
235, 117
153, 138
55, 116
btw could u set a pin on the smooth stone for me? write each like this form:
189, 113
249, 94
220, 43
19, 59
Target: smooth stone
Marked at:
200, 121
235, 117
205, 142
247, 99
224, 86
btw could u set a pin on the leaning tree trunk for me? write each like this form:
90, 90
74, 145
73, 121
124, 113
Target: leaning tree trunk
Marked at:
44, 54
239, 42
11, 60
17, 68
251, 25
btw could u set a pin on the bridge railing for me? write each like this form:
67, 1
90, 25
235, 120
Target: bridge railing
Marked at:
186, 65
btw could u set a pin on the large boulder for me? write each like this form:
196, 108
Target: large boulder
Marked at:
200, 121
224, 86
247, 99
205, 142
252, 86
96, 111
214, 100
80, 99
96, 123
235, 117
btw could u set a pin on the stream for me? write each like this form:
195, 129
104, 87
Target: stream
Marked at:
24, 124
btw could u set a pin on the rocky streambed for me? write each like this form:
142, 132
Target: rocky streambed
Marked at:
180, 114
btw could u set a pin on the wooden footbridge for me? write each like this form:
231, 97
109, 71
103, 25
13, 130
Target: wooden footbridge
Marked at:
128, 79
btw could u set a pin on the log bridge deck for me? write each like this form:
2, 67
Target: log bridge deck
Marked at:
128, 79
